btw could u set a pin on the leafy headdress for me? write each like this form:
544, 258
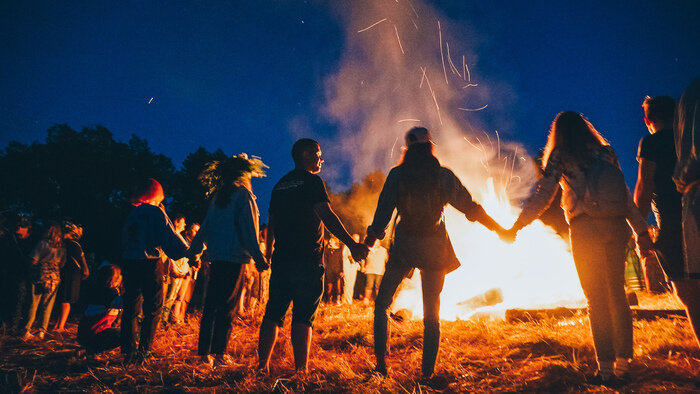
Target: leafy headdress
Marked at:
224, 175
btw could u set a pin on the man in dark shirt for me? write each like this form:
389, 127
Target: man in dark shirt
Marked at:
655, 188
299, 212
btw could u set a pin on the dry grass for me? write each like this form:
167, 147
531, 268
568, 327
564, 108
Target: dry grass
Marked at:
552, 356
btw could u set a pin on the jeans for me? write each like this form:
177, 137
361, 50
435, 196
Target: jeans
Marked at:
45, 300
598, 246
349, 276
171, 295
218, 314
143, 292
431, 283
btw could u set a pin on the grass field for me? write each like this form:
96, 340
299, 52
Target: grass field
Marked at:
485, 355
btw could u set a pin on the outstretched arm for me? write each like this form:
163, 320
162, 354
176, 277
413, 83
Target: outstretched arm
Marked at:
335, 226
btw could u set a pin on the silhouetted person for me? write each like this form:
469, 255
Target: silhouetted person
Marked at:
419, 188
15, 247
73, 272
686, 175
655, 189
230, 234
148, 236
299, 212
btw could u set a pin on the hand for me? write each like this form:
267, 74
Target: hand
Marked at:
507, 236
262, 265
195, 262
359, 251
680, 184
645, 246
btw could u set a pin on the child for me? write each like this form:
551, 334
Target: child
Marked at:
95, 332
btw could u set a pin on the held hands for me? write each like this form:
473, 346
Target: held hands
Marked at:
262, 265
359, 251
507, 236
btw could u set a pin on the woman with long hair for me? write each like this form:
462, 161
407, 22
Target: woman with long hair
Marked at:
419, 188
74, 271
48, 257
598, 238
230, 234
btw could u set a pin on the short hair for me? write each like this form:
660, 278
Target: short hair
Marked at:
177, 216
301, 146
659, 109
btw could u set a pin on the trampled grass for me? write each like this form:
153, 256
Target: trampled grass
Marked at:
482, 356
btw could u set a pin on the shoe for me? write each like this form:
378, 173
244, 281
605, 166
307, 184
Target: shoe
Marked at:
41, 335
612, 381
381, 370
206, 360
223, 360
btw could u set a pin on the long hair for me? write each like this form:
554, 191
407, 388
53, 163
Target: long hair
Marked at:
419, 182
572, 134
54, 235
221, 177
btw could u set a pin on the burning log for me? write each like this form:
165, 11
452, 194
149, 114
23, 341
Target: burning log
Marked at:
488, 298
533, 315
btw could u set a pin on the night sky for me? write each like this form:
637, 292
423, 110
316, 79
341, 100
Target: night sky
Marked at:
242, 76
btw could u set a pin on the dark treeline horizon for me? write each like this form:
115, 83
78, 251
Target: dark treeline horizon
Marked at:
87, 176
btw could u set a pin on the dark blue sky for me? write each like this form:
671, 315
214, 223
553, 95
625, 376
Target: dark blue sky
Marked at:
234, 74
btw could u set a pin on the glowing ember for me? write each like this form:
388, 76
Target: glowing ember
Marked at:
537, 271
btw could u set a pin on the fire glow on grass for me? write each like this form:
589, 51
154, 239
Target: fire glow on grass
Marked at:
536, 271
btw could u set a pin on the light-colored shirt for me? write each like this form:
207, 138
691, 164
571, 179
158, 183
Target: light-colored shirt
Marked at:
376, 260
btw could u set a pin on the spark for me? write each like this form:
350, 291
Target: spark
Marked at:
434, 99
413, 8
483, 150
512, 166
408, 120
393, 146
371, 26
472, 144
424, 69
470, 85
442, 55
498, 138
449, 58
473, 109
150, 101
465, 66
414, 23
399, 40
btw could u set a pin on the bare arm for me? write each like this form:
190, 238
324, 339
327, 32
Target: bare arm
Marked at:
335, 226
645, 186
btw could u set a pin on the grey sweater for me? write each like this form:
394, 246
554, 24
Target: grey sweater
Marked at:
231, 233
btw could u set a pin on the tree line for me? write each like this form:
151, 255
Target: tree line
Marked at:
86, 176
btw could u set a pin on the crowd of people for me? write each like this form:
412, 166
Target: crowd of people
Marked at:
228, 258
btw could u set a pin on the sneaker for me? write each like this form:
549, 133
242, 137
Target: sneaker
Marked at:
206, 360
224, 360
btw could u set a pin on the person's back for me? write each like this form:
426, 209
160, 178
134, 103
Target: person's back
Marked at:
298, 229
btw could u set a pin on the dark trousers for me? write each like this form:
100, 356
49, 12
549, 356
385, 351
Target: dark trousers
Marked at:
218, 313
14, 298
102, 341
431, 283
143, 292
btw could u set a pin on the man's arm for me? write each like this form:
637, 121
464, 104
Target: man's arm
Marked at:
334, 225
645, 186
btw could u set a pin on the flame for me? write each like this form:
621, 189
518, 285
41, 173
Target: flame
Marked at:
536, 271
